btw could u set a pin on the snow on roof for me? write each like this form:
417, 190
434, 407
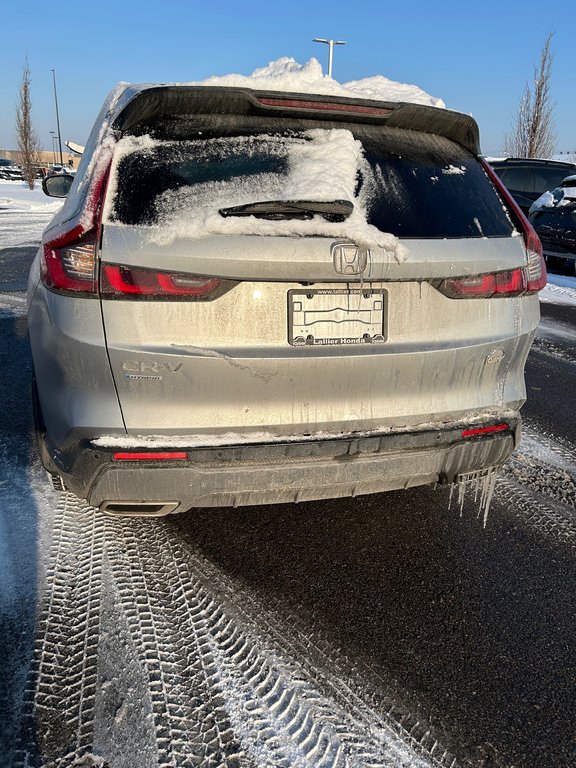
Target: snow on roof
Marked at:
285, 74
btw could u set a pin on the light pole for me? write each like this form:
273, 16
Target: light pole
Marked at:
53, 134
57, 118
330, 44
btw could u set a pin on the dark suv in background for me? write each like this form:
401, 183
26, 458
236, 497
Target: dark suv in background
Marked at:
526, 178
553, 216
9, 171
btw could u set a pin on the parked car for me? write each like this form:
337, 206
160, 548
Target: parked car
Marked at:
57, 170
528, 178
251, 297
553, 216
10, 171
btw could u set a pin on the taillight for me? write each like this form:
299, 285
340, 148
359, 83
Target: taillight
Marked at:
70, 263
487, 286
514, 282
118, 281
535, 270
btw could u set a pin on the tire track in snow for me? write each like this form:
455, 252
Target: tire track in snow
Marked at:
318, 661
186, 720
544, 464
550, 519
552, 444
219, 696
268, 708
59, 699
550, 347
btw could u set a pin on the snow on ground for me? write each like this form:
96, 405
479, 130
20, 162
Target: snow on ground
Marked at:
285, 74
16, 196
24, 213
561, 289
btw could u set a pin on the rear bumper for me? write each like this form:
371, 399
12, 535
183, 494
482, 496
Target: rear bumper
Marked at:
237, 475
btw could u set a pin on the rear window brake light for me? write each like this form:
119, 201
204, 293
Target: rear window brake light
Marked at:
326, 106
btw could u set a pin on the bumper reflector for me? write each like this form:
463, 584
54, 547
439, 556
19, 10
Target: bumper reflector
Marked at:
173, 456
485, 430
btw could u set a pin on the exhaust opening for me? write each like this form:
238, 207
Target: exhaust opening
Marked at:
138, 508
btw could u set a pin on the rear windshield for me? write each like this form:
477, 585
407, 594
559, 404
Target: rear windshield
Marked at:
407, 184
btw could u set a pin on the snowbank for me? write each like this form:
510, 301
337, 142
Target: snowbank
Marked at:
285, 74
15, 196
561, 289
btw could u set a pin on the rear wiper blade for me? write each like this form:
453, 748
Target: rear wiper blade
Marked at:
331, 210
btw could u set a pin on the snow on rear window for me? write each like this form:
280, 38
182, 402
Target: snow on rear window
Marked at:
178, 188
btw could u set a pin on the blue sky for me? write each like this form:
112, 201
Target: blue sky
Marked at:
477, 57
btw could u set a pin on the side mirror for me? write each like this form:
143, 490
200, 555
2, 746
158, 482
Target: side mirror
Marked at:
57, 186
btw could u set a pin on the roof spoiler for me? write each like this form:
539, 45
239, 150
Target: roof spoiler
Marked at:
142, 105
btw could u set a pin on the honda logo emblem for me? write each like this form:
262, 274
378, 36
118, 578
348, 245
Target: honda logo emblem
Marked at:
348, 258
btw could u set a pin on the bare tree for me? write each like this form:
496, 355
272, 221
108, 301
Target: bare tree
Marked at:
27, 138
533, 133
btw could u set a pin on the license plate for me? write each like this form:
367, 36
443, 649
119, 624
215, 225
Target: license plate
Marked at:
336, 316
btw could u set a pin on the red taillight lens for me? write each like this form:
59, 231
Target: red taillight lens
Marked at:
515, 282
70, 263
535, 270
71, 267
123, 281
488, 286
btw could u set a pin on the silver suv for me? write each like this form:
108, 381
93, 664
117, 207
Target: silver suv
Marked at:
255, 297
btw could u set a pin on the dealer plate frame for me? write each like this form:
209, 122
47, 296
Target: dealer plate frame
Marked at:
364, 307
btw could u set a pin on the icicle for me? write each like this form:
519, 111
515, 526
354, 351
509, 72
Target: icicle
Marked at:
487, 492
482, 483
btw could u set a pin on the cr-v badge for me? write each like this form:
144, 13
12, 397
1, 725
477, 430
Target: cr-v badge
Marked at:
348, 258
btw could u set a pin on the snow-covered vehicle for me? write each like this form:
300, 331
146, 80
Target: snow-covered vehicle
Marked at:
10, 171
526, 178
60, 170
256, 296
553, 216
